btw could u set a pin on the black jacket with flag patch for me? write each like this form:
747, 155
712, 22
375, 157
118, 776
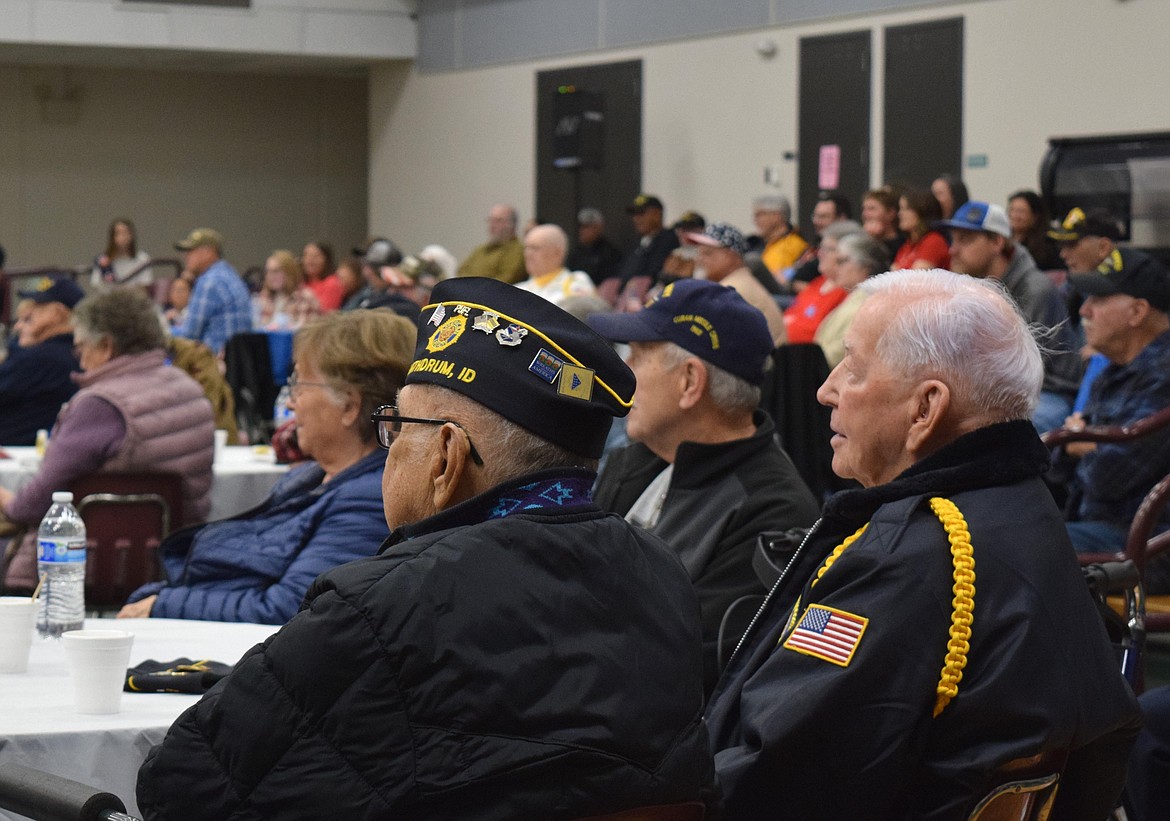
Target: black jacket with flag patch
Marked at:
817, 723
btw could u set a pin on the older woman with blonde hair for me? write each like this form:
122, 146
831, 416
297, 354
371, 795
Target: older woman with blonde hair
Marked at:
257, 566
284, 302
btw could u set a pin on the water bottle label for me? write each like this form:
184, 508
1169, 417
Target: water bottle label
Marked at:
64, 551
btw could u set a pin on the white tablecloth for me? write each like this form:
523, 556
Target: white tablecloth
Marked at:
242, 476
38, 727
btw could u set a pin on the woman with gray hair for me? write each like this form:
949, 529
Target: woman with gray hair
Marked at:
134, 412
822, 295
858, 257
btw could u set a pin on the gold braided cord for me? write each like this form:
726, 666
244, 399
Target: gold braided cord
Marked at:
963, 604
837, 551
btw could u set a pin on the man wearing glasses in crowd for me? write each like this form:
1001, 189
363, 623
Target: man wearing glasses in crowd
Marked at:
511, 652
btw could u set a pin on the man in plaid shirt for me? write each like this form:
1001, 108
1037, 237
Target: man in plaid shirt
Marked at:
220, 305
1125, 318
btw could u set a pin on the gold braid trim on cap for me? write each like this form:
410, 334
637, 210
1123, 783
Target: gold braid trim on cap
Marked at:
963, 604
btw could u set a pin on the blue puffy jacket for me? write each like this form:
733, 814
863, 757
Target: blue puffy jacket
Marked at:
256, 567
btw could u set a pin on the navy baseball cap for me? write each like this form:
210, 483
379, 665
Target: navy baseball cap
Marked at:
979, 216
521, 356
55, 289
1126, 271
709, 320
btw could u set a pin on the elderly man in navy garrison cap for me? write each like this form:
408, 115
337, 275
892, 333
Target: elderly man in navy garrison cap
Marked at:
512, 652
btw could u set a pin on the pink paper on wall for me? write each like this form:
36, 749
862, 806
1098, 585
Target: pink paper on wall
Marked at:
829, 174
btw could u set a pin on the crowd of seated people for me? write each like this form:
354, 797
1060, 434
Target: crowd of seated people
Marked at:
681, 481
461, 499
284, 302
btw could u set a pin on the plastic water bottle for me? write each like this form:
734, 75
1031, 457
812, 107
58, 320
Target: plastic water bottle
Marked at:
61, 560
281, 412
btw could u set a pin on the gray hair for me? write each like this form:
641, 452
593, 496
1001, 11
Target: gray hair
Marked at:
508, 450
865, 251
124, 315
774, 202
965, 331
590, 216
583, 306
731, 394
841, 228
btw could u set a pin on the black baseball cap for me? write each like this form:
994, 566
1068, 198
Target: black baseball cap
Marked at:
642, 202
1127, 271
1096, 222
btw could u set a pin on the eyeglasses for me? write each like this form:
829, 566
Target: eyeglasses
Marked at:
295, 383
389, 425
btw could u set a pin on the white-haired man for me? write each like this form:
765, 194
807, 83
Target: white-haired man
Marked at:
780, 245
933, 627
1125, 317
544, 260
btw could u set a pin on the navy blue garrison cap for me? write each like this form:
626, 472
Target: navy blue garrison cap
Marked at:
524, 358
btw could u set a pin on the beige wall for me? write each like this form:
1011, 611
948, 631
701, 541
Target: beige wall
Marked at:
444, 146
375, 29
269, 161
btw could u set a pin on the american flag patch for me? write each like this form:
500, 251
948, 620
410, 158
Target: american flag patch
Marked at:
832, 635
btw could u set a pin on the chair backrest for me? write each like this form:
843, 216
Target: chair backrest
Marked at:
126, 515
687, 811
248, 365
1022, 790
789, 395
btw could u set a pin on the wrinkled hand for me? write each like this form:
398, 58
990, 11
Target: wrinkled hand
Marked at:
139, 609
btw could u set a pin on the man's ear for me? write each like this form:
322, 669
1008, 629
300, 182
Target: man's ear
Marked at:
450, 468
1139, 311
692, 375
931, 416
